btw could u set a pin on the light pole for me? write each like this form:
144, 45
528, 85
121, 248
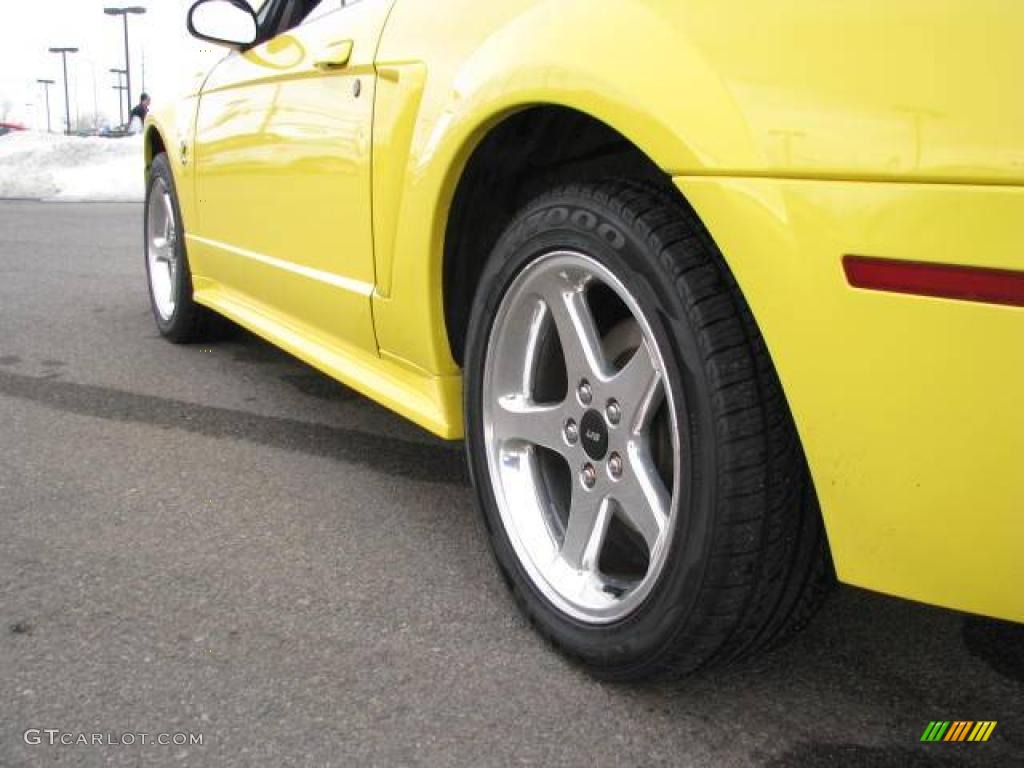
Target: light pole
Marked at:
46, 87
123, 13
67, 103
120, 90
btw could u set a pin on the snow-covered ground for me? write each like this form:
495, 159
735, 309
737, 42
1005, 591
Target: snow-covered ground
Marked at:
51, 167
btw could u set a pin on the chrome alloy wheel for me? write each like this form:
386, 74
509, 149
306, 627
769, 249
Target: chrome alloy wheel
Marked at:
581, 438
161, 250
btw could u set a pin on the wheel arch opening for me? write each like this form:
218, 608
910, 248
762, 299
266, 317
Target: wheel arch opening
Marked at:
527, 152
519, 158
154, 145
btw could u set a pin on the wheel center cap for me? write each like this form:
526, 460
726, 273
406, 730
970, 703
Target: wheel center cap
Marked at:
594, 435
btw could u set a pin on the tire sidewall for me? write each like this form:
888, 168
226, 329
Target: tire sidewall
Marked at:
577, 222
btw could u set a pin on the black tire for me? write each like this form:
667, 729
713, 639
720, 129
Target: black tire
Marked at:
748, 561
189, 321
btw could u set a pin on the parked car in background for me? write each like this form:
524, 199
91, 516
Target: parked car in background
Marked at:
6, 128
115, 132
720, 296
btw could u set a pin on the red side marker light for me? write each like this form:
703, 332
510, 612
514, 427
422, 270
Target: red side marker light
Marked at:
944, 281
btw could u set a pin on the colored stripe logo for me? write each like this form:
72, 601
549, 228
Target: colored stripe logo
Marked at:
959, 730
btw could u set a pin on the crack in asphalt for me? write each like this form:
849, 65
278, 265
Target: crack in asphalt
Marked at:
388, 455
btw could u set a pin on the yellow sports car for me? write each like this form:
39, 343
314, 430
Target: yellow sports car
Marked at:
726, 298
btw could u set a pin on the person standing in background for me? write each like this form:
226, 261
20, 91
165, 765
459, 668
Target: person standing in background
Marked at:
138, 114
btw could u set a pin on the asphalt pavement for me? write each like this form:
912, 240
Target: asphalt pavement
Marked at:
218, 541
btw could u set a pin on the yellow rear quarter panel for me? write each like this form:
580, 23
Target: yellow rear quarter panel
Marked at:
909, 408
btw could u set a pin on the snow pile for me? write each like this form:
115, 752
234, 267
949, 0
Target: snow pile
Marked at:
50, 167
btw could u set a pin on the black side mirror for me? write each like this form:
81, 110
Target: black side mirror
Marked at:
224, 22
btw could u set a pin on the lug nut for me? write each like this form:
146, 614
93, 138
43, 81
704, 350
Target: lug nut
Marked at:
585, 393
615, 466
572, 432
588, 476
613, 413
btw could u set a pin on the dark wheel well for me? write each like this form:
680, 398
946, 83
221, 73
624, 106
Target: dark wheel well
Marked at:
154, 146
527, 153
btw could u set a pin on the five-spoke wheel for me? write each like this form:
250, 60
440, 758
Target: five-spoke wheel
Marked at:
581, 449
161, 249
177, 315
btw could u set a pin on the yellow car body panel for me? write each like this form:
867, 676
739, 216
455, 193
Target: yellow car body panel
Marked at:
908, 407
282, 135
800, 130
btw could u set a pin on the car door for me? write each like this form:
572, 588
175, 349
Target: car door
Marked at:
282, 154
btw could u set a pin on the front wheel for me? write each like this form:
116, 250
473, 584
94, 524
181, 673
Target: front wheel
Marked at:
633, 456
178, 317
